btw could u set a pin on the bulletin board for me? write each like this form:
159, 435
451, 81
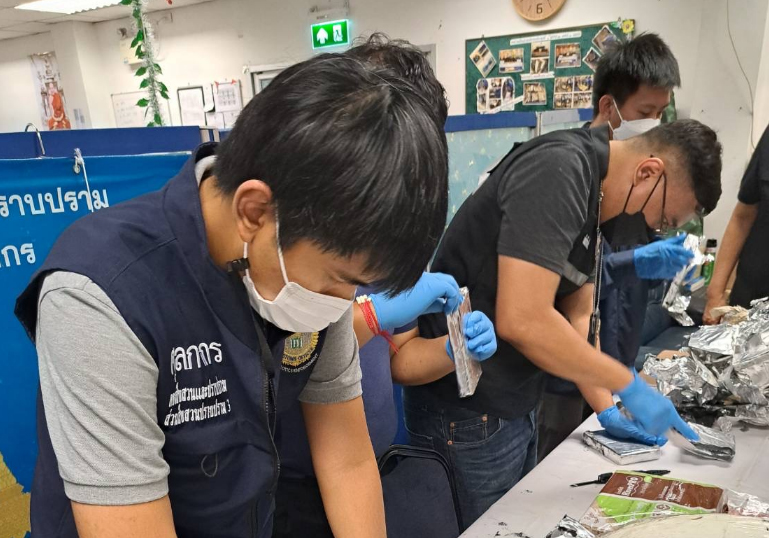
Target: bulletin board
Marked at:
523, 71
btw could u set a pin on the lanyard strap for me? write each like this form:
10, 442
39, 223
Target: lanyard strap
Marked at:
595, 317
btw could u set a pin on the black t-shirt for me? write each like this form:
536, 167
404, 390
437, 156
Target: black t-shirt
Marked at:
539, 205
752, 280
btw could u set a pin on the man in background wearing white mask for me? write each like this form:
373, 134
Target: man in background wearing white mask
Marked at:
632, 87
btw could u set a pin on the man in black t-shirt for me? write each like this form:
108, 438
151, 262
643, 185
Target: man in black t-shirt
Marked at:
524, 244
746, 239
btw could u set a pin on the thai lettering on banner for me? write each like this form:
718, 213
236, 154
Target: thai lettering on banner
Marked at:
10, 256
57, 202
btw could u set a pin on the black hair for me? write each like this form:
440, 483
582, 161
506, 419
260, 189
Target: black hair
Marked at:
697, 150
356, 160
408, 62
646, 59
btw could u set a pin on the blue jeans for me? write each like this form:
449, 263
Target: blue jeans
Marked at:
487, 455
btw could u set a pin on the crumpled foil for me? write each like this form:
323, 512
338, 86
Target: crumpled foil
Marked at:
715, 339
713, 444
743, 504
678, 296
740, 386
468, 369
759, 309
570, 528
757, 415
751, 358
682, 379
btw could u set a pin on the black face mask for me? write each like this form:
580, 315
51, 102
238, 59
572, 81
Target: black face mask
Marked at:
628, 230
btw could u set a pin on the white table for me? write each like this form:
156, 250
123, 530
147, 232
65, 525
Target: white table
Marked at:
539, 501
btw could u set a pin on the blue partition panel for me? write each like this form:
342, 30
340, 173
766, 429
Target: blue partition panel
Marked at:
39, 198
95, 142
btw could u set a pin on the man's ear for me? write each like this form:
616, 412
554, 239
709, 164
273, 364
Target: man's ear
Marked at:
606, 108
650, 169
253, 208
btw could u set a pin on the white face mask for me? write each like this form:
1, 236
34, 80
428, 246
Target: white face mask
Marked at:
295, 309
629, 129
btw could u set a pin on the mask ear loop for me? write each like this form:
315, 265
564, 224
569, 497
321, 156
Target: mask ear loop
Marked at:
280, 250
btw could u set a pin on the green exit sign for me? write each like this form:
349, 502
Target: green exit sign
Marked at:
330, 34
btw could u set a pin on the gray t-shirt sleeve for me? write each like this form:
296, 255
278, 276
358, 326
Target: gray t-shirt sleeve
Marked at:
99, 392
336, 376
544, 201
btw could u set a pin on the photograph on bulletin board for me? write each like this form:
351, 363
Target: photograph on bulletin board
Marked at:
538, 70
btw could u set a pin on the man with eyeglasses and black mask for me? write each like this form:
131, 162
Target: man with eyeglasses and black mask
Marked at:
633, 86
525, 244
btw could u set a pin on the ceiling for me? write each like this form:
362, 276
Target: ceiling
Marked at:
19, 22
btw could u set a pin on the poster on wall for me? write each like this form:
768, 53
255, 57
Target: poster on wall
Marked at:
228, 102
495, 95
573, 92
511, 61
49, 93
483, 58
534, 60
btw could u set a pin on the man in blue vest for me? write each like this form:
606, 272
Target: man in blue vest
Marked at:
160, 323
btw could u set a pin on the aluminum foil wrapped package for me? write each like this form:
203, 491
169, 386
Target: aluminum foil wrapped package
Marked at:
713, 444
757, 415
570, 528
620, 451
468, 369
679, 296
682, 379
714, 339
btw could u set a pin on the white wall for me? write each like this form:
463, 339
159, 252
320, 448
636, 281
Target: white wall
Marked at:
215, 40
18, 104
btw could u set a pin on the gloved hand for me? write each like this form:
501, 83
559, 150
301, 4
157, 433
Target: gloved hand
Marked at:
653, 411
433, 292
662, 259
481, 338
622, 427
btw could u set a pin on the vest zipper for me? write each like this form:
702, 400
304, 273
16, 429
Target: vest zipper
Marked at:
268, 391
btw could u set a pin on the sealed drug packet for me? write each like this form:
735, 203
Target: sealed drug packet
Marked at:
467, 368
629, 497
621, 452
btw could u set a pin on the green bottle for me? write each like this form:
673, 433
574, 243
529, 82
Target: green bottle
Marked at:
710, 260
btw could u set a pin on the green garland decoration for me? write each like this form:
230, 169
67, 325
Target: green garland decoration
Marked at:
144, 49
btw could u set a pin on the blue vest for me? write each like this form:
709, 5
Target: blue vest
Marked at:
218, 377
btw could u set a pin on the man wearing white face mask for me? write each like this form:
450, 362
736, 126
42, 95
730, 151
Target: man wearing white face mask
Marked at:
161, 323
632, 87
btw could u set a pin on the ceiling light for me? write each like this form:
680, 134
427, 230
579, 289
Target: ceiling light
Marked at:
67, 6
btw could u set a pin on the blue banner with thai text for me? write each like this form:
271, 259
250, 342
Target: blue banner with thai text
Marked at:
39, 198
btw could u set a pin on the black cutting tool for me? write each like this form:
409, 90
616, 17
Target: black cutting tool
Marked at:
603, 478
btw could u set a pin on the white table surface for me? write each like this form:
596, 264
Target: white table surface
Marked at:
539, 501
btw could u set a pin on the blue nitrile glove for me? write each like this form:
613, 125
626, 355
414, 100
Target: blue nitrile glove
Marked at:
481, 338
622, 427
433, 293
662, 260
652, 410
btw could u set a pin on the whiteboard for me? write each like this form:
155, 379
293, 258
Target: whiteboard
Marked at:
128, 114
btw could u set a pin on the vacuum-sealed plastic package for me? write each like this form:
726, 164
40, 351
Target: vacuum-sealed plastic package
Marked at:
468, 368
